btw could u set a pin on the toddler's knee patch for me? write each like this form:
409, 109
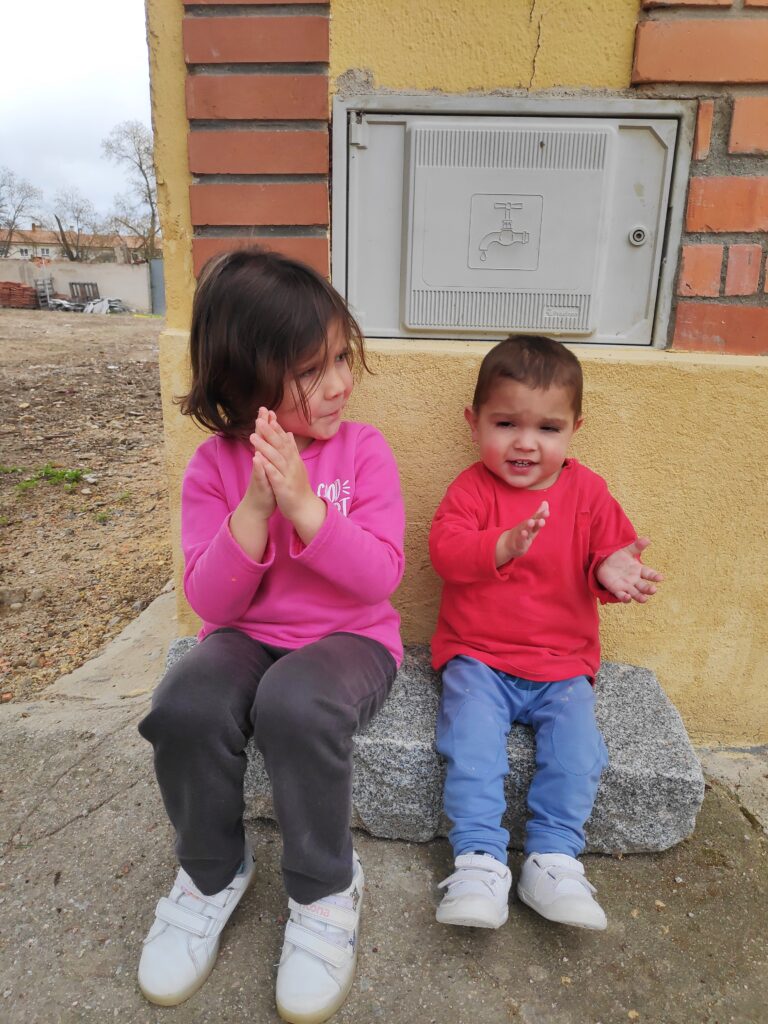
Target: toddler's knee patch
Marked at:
576, 741
473, 738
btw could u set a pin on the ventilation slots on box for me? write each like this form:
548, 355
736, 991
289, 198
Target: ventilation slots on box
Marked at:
472, 227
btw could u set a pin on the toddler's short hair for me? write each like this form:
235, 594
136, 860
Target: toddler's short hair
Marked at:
534, 361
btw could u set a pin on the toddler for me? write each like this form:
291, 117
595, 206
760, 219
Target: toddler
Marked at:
526, 541
292, 533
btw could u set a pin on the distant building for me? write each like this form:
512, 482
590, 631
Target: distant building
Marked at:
36, 243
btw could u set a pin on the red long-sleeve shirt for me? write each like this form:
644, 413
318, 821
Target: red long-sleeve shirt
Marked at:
536, 616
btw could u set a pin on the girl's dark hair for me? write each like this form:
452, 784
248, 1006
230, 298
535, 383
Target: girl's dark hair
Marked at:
534, 361
256, 317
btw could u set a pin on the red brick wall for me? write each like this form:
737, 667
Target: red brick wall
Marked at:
257, 103
717, 51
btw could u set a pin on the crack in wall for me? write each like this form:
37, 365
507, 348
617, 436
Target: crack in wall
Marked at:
531, 15
535, 53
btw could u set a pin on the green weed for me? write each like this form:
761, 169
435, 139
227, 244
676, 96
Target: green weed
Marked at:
60, 476
52, 475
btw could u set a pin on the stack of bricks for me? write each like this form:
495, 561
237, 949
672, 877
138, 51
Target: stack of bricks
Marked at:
257, 103
717, 50
17, 296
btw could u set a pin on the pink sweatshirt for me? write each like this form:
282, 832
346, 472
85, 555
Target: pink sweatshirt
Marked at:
340, 582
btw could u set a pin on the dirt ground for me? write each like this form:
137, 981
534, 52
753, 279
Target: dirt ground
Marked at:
84, 535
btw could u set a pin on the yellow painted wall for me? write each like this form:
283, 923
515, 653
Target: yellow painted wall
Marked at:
169, 123
460, 45
681, 440
680, 437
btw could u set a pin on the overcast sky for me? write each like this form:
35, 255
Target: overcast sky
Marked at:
72, 69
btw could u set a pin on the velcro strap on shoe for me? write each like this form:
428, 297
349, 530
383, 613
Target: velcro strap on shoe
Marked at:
315, 944
468, 875
216, 899
181, 917
326, 913
561, 874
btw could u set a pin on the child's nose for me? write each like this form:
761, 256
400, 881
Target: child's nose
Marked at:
335, 381
524, 440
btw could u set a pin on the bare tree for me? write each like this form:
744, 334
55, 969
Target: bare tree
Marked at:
78, 226
18, 198
130, 144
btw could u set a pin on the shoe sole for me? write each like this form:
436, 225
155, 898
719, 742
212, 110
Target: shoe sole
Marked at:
318, 1016
572, 923
179, 997
472, 915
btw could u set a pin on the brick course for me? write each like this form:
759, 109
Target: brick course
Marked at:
718, 44
258, 211
743, 270
717, 327
251, 40
687, 3
251, 3
749, 124
701, 50
701, 270
258, 152
703, 137
257, 97
313, 251
259, 204
727, 204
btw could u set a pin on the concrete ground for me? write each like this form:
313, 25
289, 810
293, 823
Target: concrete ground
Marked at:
87, 851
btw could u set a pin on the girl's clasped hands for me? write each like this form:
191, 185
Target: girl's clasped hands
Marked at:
280, 477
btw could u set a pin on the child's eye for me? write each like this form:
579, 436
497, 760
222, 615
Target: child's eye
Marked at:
505, 423
553, 430
343, 357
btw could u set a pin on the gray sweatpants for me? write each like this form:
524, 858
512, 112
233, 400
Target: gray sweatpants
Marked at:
303, 707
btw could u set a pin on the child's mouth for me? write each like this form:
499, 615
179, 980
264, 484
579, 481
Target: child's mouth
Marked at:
521, 463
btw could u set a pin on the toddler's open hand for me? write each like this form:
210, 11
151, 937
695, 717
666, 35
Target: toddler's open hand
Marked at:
625, 576
515, 542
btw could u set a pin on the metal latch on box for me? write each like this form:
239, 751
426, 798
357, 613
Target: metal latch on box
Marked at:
358, 131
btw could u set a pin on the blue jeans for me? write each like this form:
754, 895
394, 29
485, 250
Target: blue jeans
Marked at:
477, 709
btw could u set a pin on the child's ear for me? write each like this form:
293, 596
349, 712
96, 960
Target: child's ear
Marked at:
471, 417
577, 423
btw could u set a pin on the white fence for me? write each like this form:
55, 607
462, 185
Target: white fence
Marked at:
115, 280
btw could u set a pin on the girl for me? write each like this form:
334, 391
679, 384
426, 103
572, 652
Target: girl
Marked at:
292, 531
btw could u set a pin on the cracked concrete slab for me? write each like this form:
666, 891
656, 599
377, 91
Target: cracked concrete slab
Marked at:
87, 851
745, 773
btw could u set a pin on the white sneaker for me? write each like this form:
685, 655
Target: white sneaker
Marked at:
554, 885
181, 947
478, 892
319, 955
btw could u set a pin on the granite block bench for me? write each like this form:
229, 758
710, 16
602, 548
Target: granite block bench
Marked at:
648, 798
